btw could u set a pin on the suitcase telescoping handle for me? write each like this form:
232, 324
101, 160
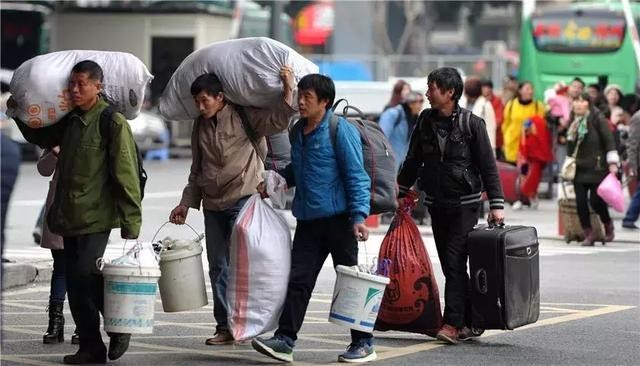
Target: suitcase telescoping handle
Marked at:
481, 281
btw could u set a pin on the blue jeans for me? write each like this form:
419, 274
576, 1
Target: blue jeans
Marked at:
217, 228
58, 285
634, 209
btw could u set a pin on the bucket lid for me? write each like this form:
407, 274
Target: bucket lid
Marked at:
113, 270
354, 272
181, 249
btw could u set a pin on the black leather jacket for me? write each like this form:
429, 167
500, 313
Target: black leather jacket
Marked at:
457, 174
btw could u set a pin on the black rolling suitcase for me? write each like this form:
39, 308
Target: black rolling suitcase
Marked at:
505, 276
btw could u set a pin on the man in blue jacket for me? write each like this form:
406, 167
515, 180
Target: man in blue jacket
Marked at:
331, 203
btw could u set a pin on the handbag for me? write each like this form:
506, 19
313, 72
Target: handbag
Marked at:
568, 170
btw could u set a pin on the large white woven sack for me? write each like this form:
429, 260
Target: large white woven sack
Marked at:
40, 85
259, 265
248, 69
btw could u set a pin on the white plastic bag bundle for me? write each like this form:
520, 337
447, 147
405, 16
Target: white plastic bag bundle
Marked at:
40, 85
276, 188
248, 69
140, 255
260, 260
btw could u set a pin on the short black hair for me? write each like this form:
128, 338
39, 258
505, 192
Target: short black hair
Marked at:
585, 96
487, 82
579, 80
90, 67
209, 83
322, 85
447, 78
595, 86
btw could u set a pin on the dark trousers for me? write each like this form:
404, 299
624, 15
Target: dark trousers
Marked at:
58, 281
85, 286
586, 193
313, 241
11, 158
451, 226
217, 228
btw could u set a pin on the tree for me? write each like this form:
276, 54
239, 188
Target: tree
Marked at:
417, 17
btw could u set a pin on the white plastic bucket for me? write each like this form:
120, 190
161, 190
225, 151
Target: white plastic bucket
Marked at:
129, 298
182, 285
356, 298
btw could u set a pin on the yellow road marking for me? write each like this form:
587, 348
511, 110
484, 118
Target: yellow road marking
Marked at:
384, 354
541, 323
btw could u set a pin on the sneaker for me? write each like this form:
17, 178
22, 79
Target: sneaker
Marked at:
517, 206
467, 334
275, 347
448, 334
630, 225
220, 338
359, 352
534, 203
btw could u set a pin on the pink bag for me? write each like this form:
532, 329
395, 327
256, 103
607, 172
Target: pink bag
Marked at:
610, 190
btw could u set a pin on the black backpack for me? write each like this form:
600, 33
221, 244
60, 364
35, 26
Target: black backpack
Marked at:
106, 117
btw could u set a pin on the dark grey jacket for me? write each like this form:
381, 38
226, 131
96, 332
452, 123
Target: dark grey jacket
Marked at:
596, 151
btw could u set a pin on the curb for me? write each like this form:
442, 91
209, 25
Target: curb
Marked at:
22, 274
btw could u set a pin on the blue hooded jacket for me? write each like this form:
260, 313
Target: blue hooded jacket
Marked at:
395, 127
328, 182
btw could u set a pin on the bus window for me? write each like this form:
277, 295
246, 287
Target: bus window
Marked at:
578, 34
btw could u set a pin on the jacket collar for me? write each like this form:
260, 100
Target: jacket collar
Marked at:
92, 113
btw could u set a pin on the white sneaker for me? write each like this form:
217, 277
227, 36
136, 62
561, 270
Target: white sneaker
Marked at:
534, 203
517, 206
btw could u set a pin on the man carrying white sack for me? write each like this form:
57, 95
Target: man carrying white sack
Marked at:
225, 170
98, 189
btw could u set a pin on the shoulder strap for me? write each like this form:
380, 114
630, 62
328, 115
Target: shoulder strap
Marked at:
399, 118
251, 133
106, 118
464, 124
333, 128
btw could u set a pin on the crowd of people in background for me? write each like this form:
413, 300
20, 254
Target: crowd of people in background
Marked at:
536, 135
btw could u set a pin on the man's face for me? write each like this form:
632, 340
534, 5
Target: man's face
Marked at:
575, 89
593, 93
438, 97
487, 92
208, 105
309, 105
83, 90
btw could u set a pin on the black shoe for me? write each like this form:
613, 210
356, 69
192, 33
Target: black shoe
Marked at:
118, 345
81, 358
75, 337
55, 330
630, 225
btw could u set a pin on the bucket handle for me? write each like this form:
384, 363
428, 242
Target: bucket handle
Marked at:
199, 237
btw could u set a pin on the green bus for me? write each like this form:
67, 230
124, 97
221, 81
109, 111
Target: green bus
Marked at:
589, 40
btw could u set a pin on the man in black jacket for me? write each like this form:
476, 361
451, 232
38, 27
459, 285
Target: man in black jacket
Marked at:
451, 156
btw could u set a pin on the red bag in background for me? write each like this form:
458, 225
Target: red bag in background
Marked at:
411, 301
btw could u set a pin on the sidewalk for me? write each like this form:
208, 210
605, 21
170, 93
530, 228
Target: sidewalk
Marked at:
545, 219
